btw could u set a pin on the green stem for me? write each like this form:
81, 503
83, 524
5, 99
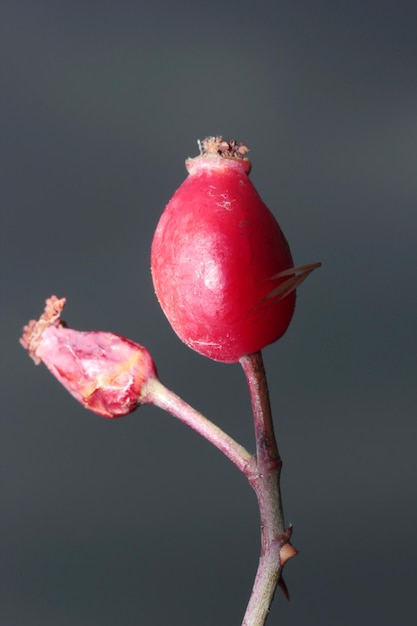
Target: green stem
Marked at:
275, 547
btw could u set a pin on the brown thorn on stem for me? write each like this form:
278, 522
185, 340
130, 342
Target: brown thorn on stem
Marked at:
282, 585
287, 552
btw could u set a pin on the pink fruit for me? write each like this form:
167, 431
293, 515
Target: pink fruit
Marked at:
107, 373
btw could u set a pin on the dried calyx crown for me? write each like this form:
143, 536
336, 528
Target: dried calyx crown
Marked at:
213, 146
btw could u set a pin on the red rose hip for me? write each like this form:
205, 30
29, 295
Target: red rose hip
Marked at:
221, 266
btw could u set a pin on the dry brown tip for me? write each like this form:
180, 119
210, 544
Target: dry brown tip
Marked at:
218, 146
32, 332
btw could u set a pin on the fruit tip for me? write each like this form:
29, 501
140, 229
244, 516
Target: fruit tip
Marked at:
34, 329
212, 146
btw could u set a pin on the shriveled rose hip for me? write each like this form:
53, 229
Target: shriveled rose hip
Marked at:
221, 266
107, 373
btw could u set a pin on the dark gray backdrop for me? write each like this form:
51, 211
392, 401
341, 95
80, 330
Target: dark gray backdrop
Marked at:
138, 521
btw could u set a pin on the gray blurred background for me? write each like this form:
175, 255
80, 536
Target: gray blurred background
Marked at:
139, 521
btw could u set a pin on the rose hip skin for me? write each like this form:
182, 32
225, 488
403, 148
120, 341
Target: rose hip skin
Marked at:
215, 255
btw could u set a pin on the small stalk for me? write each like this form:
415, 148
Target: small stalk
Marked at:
275, 546
164, 398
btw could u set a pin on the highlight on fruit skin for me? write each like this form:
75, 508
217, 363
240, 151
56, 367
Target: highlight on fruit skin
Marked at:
106, 372
221, 266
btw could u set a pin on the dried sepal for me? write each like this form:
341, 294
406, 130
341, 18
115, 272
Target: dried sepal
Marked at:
32, 332
296, 276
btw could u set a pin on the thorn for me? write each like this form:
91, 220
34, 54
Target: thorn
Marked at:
283, 587
287, 552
